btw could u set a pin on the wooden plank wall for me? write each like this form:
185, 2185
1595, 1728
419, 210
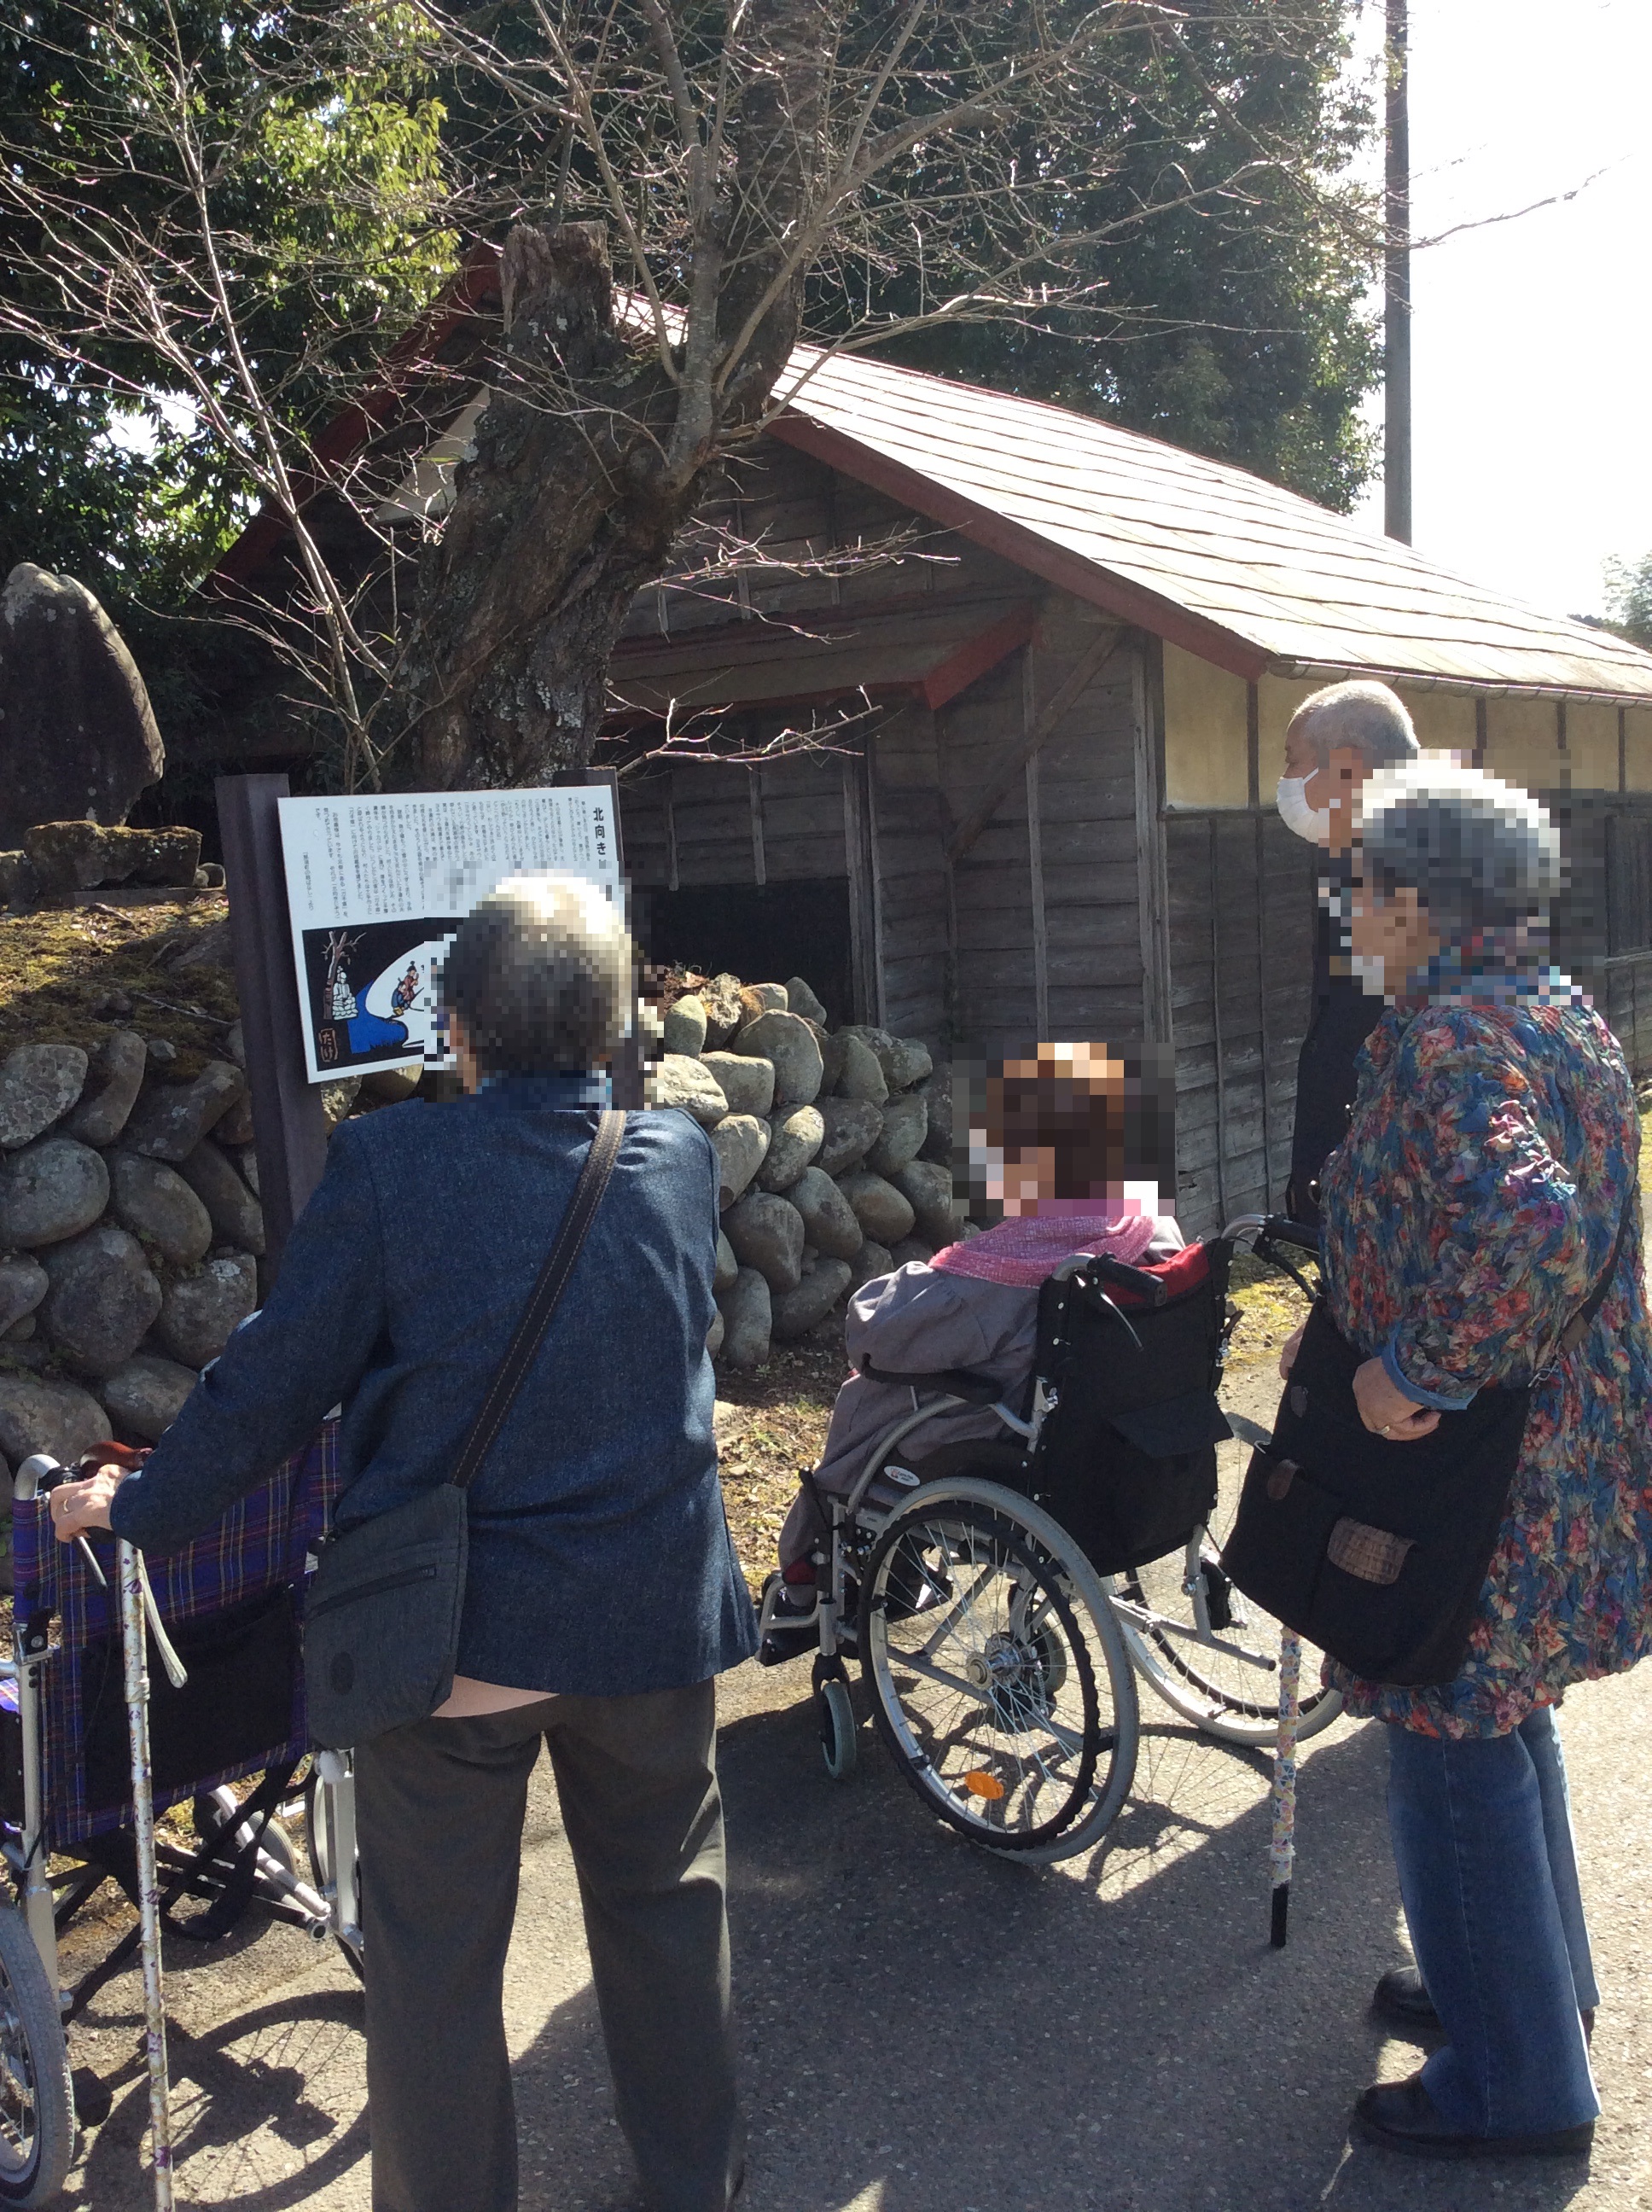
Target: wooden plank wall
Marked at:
1047, 918
1242, 912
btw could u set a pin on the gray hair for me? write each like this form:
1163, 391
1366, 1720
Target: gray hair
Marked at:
1479, 854
542, 975
1366, 717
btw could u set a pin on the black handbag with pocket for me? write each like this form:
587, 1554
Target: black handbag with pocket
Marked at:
381, 1618
1378, 1551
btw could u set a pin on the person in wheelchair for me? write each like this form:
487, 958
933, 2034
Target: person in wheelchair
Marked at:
1066, 1147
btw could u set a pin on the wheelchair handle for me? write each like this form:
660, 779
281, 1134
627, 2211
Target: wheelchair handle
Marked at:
1103, 1268
1279, 1229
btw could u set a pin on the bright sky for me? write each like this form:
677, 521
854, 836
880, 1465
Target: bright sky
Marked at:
1532, 339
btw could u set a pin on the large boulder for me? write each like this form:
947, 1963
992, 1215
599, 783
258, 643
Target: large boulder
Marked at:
937, 1095
766, 1232
680, 1081
172, 1119
927, 1188
795, 1134
22, 1286
49, 1190
103, 1300
833, 1046
740, 1141
200, 1312
883, 1214
852, 1128
146, 1395
153, 1201
39, 1084
822, 1284
748, 1084
724, 1013
683, 1029
112, 1083
828, 1219
802, 1000
869, 1263
905, 1125
72, 856
727, 1266
57, 1417
860, 1074
880, 1044
236, 1214
762, 998
77, 738
715, 1333
788, 1041
908, 1062
748, 1321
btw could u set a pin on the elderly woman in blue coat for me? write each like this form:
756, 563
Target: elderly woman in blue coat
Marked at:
603, 1595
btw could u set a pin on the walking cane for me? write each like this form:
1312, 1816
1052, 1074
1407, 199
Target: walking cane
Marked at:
137, 1605
1282, 1851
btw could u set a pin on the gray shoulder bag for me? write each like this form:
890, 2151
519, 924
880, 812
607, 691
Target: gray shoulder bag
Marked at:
381, 1619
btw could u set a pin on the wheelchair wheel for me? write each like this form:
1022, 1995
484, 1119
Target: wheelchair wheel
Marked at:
838, 1737
1000, 1681
1214, 1682
318, 1825
37, 2111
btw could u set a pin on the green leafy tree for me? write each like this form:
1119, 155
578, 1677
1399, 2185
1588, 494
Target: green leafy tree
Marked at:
1237, 323
124, 430
1628, 597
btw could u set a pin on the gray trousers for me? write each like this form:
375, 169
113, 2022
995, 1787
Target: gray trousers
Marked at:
439, 1806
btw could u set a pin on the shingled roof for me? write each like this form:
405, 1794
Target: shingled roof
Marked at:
1250, 577
1253, 577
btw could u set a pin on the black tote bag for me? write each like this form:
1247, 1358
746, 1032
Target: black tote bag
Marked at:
1376, 1551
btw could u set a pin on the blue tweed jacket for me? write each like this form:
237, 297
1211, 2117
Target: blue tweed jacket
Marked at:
600, 1560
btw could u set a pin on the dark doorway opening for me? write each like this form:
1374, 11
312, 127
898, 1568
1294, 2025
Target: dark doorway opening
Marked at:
761, 932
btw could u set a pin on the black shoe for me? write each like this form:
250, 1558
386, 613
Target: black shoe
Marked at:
1400, 2116
1402, 1996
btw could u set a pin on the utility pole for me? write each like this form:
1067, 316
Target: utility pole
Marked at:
1396, 285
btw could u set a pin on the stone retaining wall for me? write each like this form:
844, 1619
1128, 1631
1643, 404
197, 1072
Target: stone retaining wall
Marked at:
835, 1146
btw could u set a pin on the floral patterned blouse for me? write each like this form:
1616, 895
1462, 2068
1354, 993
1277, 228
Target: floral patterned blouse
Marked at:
1466, 1218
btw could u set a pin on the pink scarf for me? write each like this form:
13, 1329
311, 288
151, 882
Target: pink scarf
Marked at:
1021, 1253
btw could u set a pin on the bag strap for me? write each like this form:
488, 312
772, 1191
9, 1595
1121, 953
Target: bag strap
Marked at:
1582, 1322
511, 1371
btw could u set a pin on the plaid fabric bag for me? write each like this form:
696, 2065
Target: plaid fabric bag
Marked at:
231, 1602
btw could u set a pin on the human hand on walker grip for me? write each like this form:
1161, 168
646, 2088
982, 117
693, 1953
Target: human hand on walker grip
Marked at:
78, 1506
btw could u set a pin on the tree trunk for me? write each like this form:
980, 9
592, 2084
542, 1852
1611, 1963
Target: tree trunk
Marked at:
561, 512
590, 454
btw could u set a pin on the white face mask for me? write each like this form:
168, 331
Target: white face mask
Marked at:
1313, 823
1369, 970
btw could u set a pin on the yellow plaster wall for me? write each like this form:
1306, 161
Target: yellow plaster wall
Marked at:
1591, 747
1443, 720
1520, 744
1204, 733
1278, 698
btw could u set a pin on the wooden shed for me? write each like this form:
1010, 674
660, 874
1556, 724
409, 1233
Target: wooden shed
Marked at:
1067, 656
982, 731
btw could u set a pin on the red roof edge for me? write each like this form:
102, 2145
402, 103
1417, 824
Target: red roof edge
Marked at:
1014, 541
350, 429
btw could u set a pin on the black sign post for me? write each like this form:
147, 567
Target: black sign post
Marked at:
290, 1127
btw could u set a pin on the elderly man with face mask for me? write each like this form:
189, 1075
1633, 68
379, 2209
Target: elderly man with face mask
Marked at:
1336, 740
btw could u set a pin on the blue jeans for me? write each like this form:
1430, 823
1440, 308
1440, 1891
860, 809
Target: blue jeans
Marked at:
1488, 1873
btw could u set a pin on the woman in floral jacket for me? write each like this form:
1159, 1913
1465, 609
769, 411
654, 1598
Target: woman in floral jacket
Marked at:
1478, 1198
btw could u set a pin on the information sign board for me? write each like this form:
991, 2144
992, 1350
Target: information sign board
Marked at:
376, 887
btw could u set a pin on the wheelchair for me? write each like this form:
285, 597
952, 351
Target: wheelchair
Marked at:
1003, 1597
230, 1602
